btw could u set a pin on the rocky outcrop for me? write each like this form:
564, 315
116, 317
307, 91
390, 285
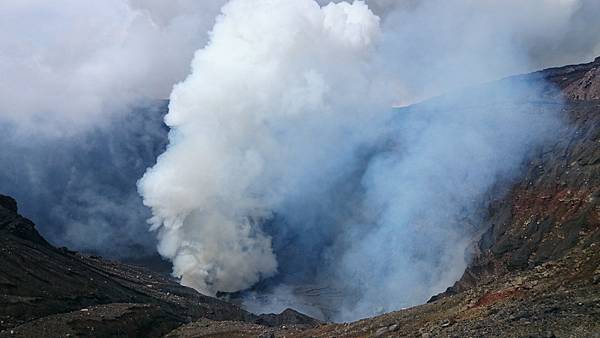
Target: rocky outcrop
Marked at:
555, 299
579, 82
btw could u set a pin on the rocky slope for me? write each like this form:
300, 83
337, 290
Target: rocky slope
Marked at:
535, 269
46, 292
556, 299
555, 206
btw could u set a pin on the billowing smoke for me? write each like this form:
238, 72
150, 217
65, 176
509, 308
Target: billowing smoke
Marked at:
234, 157
438, 45
80, 115
67, 64
287, 165
287, 171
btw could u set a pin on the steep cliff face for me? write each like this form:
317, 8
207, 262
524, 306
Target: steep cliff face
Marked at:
536, 265
555, 206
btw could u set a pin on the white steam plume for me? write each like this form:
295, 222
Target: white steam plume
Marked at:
285, 160
234, 157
